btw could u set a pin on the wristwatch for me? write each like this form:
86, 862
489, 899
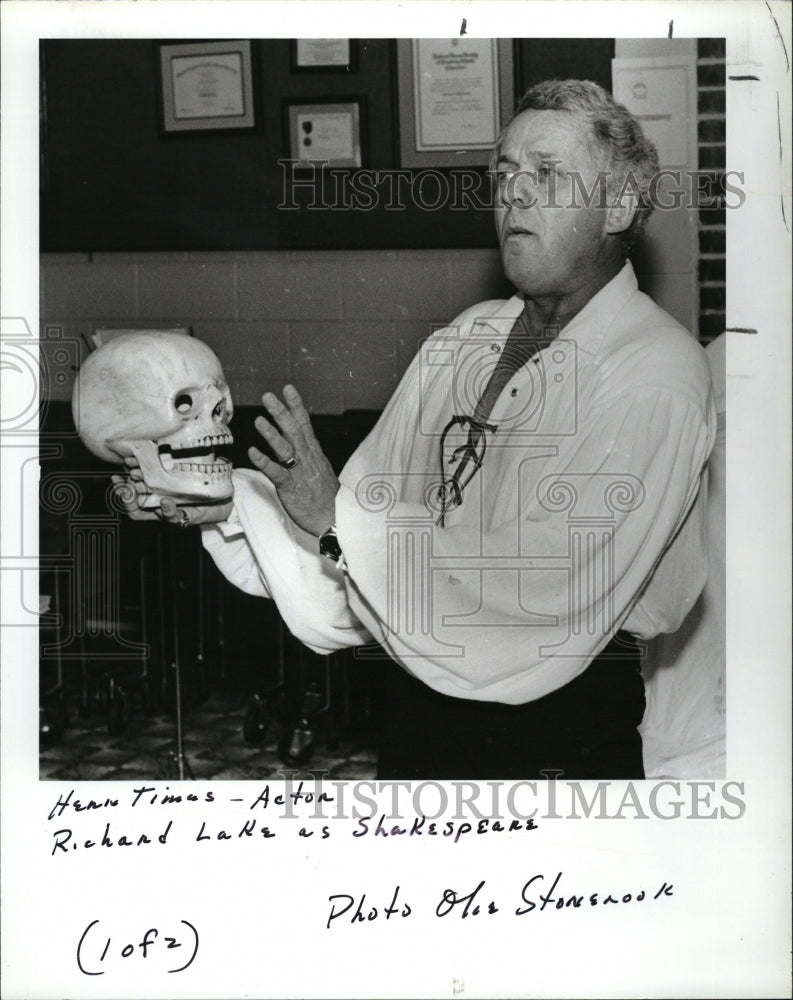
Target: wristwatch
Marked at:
329, 544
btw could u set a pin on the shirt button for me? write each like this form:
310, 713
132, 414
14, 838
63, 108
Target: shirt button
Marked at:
514, 392
495, 348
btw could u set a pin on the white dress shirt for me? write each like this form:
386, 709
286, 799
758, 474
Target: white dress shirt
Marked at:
586, 515
684, 727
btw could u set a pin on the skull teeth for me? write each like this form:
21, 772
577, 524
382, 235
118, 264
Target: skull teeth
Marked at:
217, 467
206, 443
212, 440
220, 468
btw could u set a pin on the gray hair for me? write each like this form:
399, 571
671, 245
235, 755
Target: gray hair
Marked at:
632, 159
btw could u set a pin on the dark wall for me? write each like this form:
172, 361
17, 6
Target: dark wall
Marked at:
112, 181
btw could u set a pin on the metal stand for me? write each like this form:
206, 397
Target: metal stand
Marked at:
182, 763
53, 712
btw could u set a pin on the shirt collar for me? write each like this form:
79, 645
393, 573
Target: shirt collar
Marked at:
588, 325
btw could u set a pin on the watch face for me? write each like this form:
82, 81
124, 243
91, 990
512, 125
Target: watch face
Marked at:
329, 546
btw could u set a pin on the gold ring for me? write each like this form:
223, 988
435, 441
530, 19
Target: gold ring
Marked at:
184, 521
289, 463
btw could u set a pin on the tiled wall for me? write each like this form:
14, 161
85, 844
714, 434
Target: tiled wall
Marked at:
341, 325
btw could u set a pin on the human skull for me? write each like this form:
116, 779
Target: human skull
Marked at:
161, 397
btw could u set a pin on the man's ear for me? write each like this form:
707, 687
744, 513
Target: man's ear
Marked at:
622, 212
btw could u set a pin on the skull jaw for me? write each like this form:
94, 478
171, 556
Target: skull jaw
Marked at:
204, 481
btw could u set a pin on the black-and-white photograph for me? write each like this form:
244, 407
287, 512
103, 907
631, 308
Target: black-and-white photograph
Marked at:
468, 518
381, 573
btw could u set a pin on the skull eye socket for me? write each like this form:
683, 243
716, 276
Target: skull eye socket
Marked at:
183, 402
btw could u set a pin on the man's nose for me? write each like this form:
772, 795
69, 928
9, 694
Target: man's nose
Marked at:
520, 189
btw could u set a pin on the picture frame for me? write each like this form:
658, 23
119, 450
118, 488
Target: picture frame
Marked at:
328, 133
453, 95
324, 55
206, 86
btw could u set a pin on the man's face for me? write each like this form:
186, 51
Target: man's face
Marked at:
551, 244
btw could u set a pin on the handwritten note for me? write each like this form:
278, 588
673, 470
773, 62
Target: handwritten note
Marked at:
98, 952
168, 818
473, 902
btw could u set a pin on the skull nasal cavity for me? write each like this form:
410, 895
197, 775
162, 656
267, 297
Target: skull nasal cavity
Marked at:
219, 411
183, 402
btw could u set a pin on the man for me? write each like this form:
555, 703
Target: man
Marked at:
530, 499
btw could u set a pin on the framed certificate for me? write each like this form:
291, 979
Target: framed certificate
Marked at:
662, 95
206, 86
326, 133
454, 95
337, 55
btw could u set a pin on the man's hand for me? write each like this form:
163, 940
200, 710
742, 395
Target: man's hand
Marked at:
136, 498
306, 483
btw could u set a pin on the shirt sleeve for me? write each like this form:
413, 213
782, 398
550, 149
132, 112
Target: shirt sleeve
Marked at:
260, 550
512, 611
